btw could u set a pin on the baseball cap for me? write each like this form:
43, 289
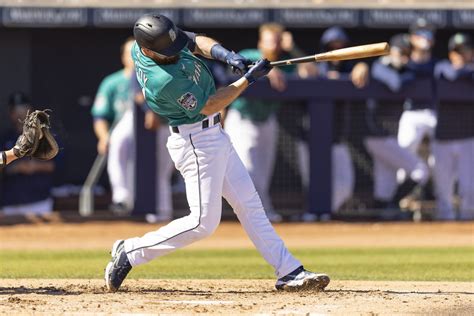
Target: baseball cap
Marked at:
460, 41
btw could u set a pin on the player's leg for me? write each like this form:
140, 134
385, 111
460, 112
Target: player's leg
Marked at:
201, 158
241, 194
385, 175
465, 172
413, 126
342, 175
263, 155
444, 179
118, 163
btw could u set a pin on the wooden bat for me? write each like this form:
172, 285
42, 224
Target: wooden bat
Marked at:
354, 52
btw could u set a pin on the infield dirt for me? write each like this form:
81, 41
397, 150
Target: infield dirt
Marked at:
229, 297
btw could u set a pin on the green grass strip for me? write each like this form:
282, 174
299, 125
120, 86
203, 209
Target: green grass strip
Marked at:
414, 264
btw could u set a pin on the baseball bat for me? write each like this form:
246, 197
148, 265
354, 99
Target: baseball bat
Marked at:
354, 52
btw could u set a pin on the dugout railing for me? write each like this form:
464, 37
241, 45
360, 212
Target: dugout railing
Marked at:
320, 95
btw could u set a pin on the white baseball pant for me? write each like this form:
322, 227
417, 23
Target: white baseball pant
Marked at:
342, 172
388, 157
454, 161
256, 145
120, 160
211, 169
413, 126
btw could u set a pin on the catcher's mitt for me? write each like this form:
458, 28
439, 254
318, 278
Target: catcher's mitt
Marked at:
36, 140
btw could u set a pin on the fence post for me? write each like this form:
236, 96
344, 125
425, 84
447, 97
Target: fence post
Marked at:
320, 144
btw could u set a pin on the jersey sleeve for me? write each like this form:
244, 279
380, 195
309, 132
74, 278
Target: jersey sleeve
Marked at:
103, 105
185, 95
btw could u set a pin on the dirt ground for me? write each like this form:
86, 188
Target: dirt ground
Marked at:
230, 297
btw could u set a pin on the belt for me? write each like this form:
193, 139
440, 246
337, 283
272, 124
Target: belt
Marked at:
205, 123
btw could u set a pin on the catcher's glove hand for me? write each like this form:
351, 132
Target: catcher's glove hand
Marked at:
36, 139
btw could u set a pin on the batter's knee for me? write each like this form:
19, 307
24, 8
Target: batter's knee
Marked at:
207, 225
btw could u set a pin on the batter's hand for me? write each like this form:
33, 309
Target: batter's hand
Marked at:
238, 62
260, 69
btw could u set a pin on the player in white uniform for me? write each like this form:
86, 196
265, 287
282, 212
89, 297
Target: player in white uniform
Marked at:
252, 124
381, 142
179, 86
113, 125
419, 118
453, 147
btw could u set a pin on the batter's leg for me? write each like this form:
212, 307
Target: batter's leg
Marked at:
241, 194
202, 160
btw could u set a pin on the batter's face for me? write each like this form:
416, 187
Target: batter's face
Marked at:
269, 44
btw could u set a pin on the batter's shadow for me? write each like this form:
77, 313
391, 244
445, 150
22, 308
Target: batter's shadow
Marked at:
197, 292
45, 290
349, 291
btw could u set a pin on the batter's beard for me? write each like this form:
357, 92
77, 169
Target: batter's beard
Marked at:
167, 60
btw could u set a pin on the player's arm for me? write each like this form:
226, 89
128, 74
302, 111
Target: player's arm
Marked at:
6, 157
225, 96
101, 129
210, 48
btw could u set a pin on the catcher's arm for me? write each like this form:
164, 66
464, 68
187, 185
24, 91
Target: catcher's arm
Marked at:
6, 157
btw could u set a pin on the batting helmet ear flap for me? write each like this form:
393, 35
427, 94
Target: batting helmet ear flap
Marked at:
159, 34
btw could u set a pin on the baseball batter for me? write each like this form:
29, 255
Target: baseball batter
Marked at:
178, 86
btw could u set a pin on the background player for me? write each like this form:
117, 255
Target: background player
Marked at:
178, 86
453, 147
252, 124
164, 166
26, 185
382, 124
419, 118
113, 125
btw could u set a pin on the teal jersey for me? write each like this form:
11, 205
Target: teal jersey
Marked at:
113, 97
178, 91
253, 109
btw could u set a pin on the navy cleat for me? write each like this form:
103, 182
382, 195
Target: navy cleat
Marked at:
118, 268
302, 280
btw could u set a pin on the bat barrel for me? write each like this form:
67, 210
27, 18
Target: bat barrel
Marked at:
355, 52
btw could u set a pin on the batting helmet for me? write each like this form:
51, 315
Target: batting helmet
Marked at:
159, 34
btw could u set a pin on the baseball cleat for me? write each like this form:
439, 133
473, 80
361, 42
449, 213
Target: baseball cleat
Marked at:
302, 280
118, 268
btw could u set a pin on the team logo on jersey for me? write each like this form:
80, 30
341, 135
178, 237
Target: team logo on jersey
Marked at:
188, 101
172, 34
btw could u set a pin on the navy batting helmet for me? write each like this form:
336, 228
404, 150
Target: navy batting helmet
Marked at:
159, 34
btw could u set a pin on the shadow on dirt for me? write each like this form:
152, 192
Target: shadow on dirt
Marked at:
439, 292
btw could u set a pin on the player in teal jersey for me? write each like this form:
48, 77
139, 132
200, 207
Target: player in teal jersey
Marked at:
178, 86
